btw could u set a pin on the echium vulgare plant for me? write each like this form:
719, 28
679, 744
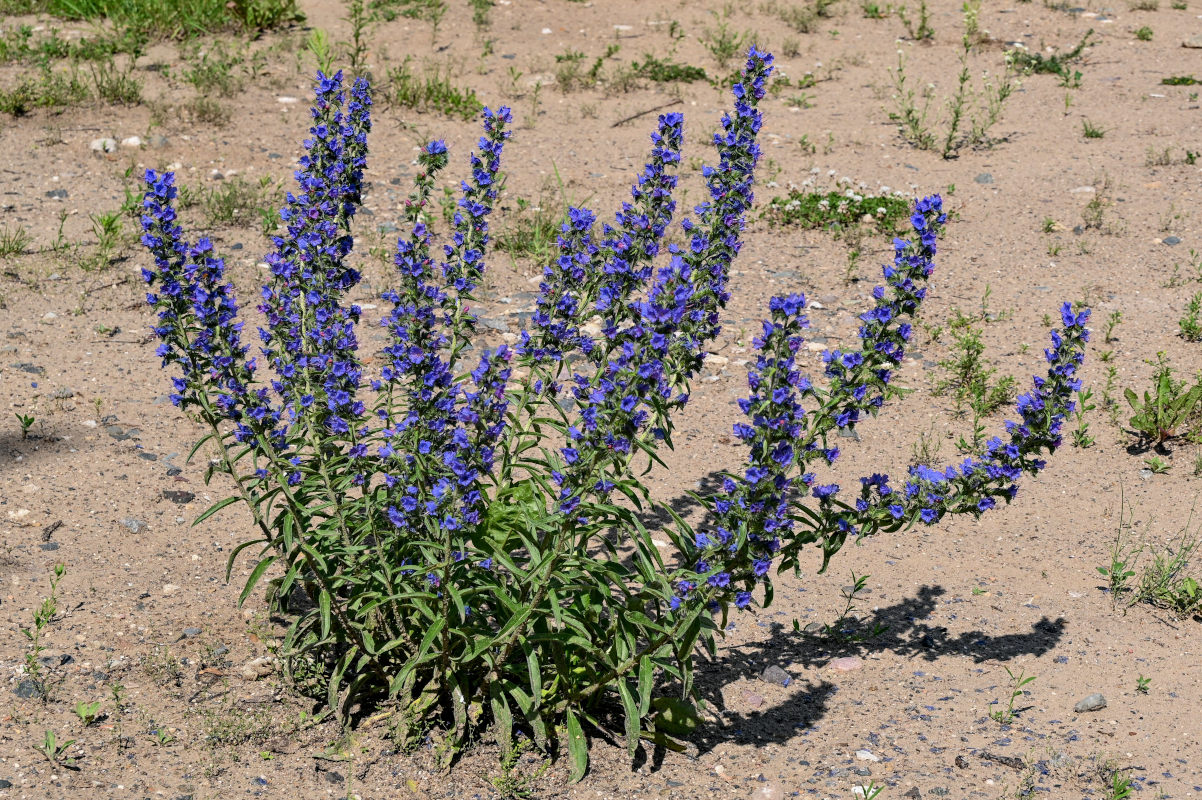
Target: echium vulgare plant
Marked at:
464, 524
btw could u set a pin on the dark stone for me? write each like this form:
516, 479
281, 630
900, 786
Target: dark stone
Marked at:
191, 633
984, 177
334, 777
174, 471
1171, 240
236, 246
32, 369
775, 674
913, 793
49, 545
142, 454
5, 784
274, 155
121, 433
178, 497
57, 194
28, 689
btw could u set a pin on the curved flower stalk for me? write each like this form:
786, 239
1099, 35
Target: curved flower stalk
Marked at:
761, 521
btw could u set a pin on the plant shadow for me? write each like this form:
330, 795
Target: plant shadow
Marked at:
905, 632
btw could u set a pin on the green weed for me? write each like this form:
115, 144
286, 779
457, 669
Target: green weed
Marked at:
168, 19
431, 91
835, 211
1034, 61
1191, 327
14, 241
1165, 408
1017, 682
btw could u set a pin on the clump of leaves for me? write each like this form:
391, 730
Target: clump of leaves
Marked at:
1034, 61
837, 211
1165, 408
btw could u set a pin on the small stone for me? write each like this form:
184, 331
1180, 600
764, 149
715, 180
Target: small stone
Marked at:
158, 140
913, 793
131, 141
1095, 702
135, 525
258, 668
142, 454
57, 194
5, 784
754, 700
191, 633
1171, 240
49, 545
220, 650
1194, 41
867, 755
173, 471
178, 497
170, 589
846, 663
387, 227
28, 689
286, 100
775, 674
103, 145
814, 628
984, 177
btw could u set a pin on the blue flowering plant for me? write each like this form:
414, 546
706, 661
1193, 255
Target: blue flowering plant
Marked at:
463, 527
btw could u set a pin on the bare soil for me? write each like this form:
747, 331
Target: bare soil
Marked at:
102, 483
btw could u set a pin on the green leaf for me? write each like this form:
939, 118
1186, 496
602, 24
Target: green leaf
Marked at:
503, 718
213, 509
577, 747
676, 717
632, 717
323, 605
255, 575
646, 684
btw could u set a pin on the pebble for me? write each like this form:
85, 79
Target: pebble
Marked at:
867, 755
131, 141
5, 784
178, 497
984, 177
103, 145
914, 793
191, 633
286, 100
159, 140
1194, 41
135, 525
1171, 240
258, 668
57, 194
846, 663
1095, 702
775, 674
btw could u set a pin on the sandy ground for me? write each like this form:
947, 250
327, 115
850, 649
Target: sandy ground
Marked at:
102, 484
